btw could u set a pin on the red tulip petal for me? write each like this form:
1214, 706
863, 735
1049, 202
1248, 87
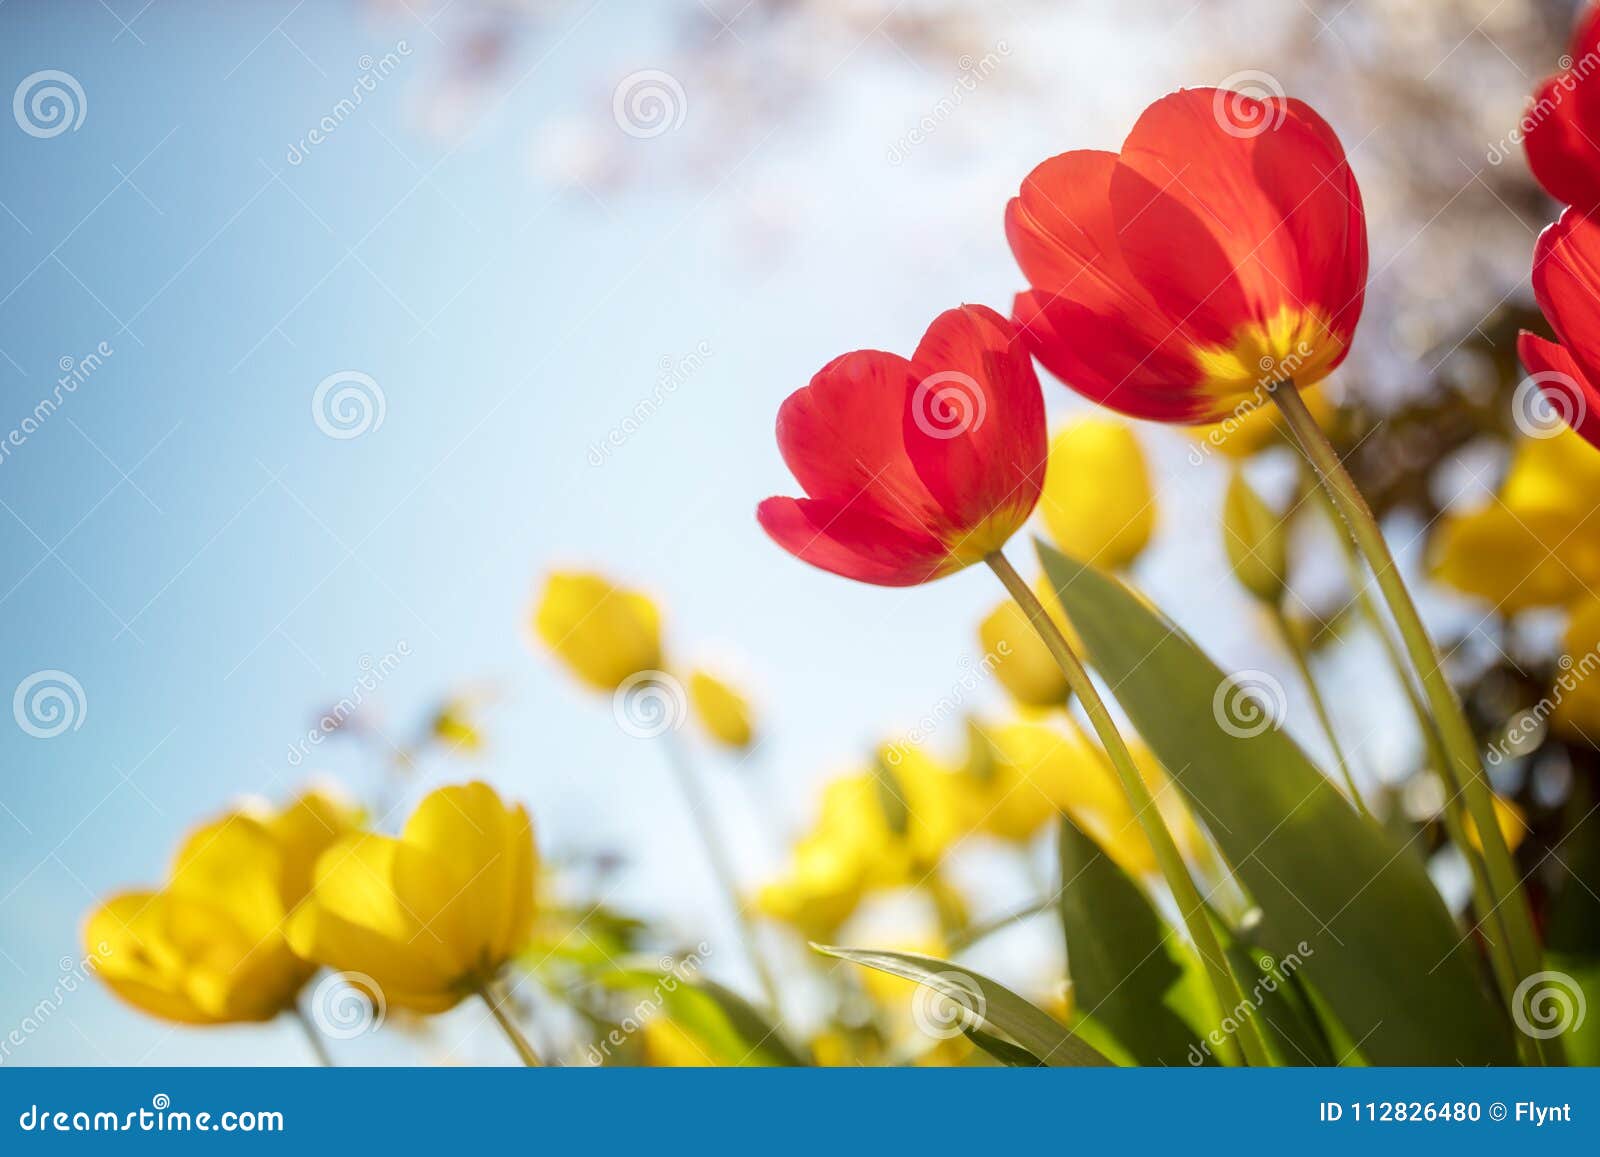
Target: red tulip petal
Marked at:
1570, 392
1566, 280
841, 438
852, 542
1232, 210
1109, 361
1562, 143
975, 428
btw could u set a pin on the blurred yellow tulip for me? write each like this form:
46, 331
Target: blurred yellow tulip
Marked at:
1098, 503
209, 947
1256, 429
603, 633
1576, 693
432, 916
875, 830
722, 711
1538, 543
1509, 819
666, 1044
1019, 658
1256, 538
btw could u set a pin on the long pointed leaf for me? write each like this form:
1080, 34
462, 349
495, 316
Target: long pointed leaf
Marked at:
1380, 946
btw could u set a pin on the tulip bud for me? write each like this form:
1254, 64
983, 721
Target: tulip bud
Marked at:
601, 632
1098, 503
722, 711
1257, 540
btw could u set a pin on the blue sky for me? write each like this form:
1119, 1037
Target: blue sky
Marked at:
183, 539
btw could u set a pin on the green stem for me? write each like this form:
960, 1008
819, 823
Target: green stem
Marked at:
1195, 915
694, 799
1296, 643
973, 933
1494, 935
490, 995
313, 1038
1462, 764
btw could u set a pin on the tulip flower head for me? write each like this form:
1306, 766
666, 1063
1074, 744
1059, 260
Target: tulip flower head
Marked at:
1562, 126
208, 947
601, 632
432, 916
913, 469
1564, 381
1222, 251
722, 710
1098, 503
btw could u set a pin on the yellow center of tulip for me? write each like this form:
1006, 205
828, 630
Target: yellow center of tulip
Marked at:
1293, 343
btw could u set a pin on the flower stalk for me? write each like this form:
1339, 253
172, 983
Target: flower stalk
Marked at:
496, 999
1196, 918
1462, 766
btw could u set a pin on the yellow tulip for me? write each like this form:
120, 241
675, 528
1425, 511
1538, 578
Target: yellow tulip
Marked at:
1019, 658
1256, 538
453, 726
602, 633
875, 830
666, 1044
209, 947
1538, 543
1098, 503
432, 916
1255, 429
722, 711
1510, 820
1575, 696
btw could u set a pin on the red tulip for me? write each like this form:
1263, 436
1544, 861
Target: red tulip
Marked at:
1223, 250
913, 469
1566, 280
1561, 129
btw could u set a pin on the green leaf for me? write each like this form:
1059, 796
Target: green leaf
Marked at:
983, 1002
1119, 955
1379, 945
732, 1031
1003, 1051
